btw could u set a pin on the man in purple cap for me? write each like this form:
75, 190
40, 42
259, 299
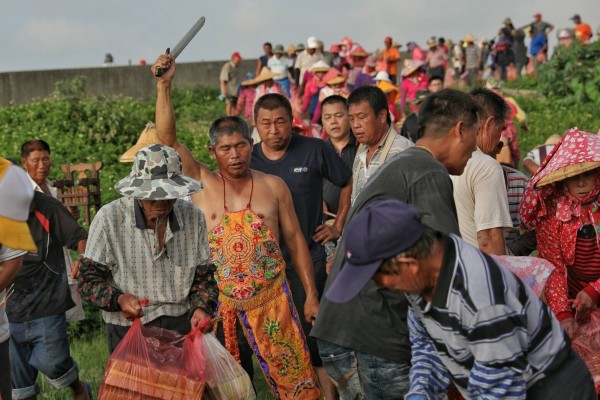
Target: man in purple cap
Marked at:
471, 322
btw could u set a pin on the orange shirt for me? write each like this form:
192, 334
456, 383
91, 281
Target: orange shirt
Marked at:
392, 55
583, 32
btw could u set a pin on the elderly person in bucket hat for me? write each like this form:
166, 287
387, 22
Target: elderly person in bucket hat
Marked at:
471, 321
150, 245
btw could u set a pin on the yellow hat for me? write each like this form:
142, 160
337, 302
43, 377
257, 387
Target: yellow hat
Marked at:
265, 75
16, 193
147, 137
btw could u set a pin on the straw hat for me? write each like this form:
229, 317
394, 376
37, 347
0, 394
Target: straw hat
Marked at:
553, 139
249, 81
410, 66
336, 80
291, 50
396, 44
577, 152
319, 66
431, 43
359, 52
567, 172
265, 75
146, 138
469, 38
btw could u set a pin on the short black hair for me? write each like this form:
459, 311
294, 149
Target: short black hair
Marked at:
442, 110
273, 101
333, 99
372, 95
228, 126
490, 104
267, 44
435, 78
34, 145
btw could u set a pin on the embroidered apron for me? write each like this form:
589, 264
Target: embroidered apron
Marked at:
253, 289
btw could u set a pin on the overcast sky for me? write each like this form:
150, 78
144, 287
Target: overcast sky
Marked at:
53, 34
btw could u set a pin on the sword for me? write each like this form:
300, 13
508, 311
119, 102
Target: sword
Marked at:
185, 40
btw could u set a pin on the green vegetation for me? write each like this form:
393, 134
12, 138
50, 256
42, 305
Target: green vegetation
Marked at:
80, 128
572, 76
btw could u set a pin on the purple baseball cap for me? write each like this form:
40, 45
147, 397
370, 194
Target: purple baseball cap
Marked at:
382, 230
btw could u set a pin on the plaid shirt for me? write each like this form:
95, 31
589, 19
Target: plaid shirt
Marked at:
121, 257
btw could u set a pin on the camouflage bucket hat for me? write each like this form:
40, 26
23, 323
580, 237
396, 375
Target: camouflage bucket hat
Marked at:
157, 175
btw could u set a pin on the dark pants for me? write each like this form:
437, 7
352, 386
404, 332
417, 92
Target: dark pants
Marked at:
299, 297
570, 381
437, 71
5, 385
115, 333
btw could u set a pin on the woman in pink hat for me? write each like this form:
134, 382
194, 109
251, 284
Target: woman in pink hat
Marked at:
562, 204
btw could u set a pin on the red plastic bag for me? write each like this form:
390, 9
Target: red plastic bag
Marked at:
586, 342
155, 363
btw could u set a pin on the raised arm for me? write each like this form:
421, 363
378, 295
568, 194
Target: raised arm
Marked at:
165, 118
292, 234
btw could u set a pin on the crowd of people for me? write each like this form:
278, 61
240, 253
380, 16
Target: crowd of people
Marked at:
384, 254
302, 72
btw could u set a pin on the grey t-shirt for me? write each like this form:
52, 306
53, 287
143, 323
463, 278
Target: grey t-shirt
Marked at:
374, 322
229, 75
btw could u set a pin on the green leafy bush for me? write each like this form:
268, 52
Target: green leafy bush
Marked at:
572, 76
81, 128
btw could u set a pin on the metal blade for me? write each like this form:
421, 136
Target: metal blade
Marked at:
185, 40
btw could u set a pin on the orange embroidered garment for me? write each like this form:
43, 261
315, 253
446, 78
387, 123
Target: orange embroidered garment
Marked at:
252, 288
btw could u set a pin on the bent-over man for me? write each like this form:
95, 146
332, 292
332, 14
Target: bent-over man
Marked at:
471, 321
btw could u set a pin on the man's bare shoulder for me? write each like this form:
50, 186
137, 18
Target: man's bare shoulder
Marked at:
273, 182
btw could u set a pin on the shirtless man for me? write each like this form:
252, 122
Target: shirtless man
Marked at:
244, 247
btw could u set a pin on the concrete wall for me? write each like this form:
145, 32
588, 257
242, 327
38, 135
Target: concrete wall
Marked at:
134, 81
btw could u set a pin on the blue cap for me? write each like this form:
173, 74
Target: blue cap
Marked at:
380, 231
576, 16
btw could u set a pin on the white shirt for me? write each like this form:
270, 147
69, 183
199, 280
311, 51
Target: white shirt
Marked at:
279, 66
480, 197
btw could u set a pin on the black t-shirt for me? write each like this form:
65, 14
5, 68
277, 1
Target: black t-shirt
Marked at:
410, 127
331, 192
41, 287
303, 166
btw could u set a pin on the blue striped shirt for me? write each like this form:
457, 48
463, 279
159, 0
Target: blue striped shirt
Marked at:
483, 329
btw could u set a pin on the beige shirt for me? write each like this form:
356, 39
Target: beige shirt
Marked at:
480, 197
304, 61
137, 268
361, 173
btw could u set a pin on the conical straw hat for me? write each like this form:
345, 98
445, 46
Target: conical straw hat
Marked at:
147, 137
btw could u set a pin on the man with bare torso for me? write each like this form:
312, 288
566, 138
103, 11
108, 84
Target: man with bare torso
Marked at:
246, 212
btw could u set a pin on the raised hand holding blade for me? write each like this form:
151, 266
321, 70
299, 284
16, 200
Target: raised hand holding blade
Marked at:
185, 40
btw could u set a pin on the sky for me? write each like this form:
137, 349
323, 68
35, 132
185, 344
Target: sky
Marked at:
57, 34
